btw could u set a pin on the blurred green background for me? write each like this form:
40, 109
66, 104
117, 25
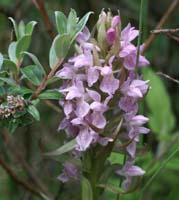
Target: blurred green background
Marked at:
161, 105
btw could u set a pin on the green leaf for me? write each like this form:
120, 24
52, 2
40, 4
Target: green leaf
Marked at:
30, 27
81, 24
72, 21
87, 193
63, 149
22, 45
21, 29
12, 126
61, 22
8, 81
61, 45
52, 56
15, 27
33, 73
161, 116
50, 94
1, 61
19, 90
59, 48
34, 112
3, 73
12, 51
10, 65
112, 188
36, 61
53, 80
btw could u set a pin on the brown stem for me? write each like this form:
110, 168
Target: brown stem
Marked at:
44, 83
15, 177
18, 155
40, 6
165, 17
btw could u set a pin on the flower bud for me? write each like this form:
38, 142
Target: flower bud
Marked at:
111, 36
108, 19
101, 27
116, 20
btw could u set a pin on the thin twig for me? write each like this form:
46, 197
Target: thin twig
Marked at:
168, 77
15, 177
40, 6
166, 15
170, 30
18, 155
173, 37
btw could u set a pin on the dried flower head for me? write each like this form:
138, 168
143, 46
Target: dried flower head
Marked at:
13, 105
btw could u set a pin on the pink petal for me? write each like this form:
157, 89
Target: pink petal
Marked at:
128, 49
82, 108
139, 120
109, 84
84, 139
92, 76
135, 171
106, 71
94, 95
116, 20
68, 108
73, 93
98, 106
98, 120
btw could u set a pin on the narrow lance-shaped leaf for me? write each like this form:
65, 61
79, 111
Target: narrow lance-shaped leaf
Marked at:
22, 45
59, 48
30, 27
53, 80
15, 27
10, 65
33, 73
8, 81
50, 94
71, 21
12, 51
34, 112
21, 29
36, 61
87, 193
81, 24
1, 61
63, 149
61, 22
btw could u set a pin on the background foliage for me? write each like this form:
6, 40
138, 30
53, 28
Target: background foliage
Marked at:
161, 104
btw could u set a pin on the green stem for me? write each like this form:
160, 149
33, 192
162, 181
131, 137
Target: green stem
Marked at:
120, 183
